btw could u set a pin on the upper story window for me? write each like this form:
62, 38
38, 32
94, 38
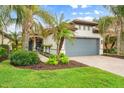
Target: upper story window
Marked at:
88, 28
79, 27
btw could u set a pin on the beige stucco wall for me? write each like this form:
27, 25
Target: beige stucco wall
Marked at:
50, 41
6, 41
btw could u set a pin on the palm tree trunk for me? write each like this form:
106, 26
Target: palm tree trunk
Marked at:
16, 43
118, 39
113, 43
2, 38
61, 44
57, 51
57, 48
25, 41
27, 28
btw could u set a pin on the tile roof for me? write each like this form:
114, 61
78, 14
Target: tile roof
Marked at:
84, 22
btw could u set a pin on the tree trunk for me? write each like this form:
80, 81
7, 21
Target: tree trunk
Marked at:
106, 46
113, 43
2, 38
25, 41
61, 44
57, 51
118, 39
27, 28
16, 42
57, 48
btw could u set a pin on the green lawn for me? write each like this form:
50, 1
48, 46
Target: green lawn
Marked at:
75, 77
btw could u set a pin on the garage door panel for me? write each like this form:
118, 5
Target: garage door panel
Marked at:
82, 47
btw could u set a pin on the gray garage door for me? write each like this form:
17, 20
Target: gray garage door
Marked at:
82, 47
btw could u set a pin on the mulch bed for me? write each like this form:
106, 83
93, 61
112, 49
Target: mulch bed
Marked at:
43, 66
116, 56
2, 58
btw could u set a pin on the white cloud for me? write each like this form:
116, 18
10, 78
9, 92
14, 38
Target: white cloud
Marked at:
74, 6
84, 6
81, 13
89, 18
101, 12
74, 13
87, 13
96, 12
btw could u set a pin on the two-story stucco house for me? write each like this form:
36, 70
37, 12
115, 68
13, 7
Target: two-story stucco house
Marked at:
87, 40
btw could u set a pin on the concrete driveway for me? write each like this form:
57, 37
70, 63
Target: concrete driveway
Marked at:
111, 64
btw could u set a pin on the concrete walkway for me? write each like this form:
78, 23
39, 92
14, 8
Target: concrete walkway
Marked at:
111, 64
42, 58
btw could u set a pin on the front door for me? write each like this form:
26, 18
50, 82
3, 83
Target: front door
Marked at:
39, 42
30, 44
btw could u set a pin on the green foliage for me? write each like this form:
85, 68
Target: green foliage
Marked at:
61, 31
64, 59
55, 59
122, 35
3, 52
52, 60
5, 47
15, 41
23, 58
88, 77
110, 51
104, 23
113, 50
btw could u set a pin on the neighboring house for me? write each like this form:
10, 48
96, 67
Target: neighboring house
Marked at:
87, 40
7, 39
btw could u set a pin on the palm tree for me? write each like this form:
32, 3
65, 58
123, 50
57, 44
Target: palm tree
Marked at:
15, 39
61, 31
118, 11
27, 21
103, 24
25, 17
4, 21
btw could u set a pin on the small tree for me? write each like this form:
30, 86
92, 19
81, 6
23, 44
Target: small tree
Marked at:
4, 21
15, 37
104, 23
24, 18
118, 11
61, 31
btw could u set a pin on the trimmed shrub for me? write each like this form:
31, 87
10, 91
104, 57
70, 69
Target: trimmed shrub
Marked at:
3, 52
24, 58
64, 59
52, 60
5, 47
113, 51
110, 51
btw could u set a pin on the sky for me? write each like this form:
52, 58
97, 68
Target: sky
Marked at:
71, 12
85, 12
